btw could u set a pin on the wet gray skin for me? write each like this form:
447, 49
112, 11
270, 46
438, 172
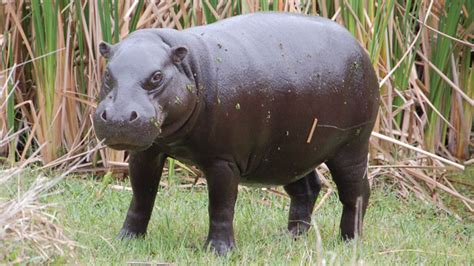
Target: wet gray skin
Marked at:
238, 99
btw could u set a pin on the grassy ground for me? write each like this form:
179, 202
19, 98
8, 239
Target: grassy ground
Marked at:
397, 231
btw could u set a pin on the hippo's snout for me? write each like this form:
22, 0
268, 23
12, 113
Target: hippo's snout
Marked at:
132, 119
126, 127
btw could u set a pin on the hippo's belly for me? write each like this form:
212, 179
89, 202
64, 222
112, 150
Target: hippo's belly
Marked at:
287, 158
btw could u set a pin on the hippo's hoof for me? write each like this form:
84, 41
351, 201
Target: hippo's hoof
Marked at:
298, 229
126, 234
219, 246
348, 236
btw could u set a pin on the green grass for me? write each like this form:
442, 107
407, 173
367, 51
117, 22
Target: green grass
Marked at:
397, 231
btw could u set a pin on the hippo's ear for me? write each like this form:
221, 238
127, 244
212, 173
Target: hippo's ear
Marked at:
178, 53
105, 49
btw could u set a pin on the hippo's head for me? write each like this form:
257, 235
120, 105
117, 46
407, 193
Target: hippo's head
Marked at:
147, 92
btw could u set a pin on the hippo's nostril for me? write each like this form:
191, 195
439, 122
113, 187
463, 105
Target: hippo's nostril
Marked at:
133, 116
104, 116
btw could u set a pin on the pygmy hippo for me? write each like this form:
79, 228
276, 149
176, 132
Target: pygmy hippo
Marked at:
259, 99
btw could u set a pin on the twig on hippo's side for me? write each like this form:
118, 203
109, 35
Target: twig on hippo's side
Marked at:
311, 132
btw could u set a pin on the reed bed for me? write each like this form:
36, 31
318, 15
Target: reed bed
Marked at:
50, 76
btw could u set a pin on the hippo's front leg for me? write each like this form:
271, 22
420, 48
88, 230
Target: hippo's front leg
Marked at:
222, 183
145, 174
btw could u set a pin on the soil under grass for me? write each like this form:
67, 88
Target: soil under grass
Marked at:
397, 231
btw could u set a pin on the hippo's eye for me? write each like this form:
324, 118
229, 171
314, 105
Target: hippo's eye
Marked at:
156, 78
154, 81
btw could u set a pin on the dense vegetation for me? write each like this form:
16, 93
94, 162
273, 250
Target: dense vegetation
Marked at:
51, 70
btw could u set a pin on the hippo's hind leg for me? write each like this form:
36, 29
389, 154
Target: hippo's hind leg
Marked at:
303, 194
145, 174
349, 171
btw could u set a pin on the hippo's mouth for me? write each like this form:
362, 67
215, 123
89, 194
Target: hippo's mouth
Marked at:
121, 143
121, 136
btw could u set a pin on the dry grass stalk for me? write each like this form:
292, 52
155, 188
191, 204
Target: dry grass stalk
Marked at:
24, 219
429, 154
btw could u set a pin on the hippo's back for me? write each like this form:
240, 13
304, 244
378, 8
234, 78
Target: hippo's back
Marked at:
288, 46
270, 77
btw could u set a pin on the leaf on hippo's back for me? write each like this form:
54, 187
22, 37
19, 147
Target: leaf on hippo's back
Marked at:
190, 88
178, 100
